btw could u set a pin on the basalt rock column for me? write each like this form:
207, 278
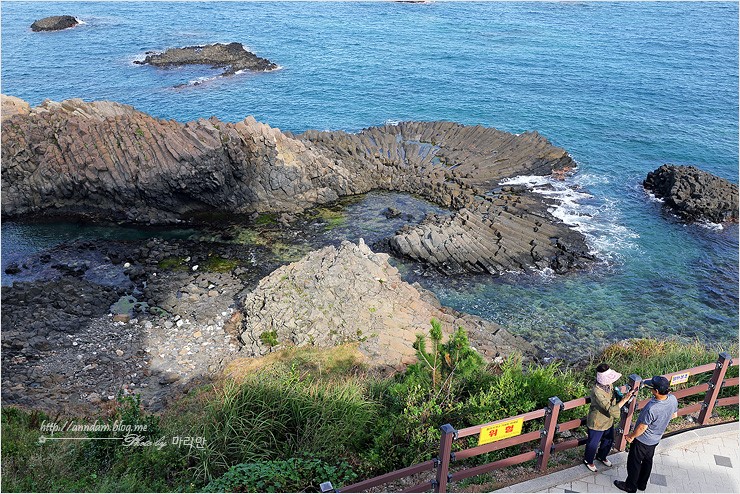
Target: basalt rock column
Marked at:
109, 161
694, 194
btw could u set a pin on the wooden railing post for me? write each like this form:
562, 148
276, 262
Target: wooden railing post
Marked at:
715, 384
625, 419
443, 461
552, 412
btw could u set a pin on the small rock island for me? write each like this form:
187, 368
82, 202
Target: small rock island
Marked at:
233, 57
54, 23
693, 194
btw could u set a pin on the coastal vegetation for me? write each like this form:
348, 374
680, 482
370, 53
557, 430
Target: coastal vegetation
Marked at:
299, 417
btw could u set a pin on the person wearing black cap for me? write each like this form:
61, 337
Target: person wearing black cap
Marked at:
651, 424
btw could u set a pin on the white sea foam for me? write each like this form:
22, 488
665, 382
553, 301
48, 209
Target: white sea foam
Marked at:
139, 57
717, 227
203, 80
653, 198
598, 219
80, 21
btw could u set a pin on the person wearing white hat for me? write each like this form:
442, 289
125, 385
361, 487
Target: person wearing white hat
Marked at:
601, 414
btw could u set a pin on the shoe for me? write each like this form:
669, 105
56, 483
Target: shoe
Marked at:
590, 466
622, 486
605, 461
641, 488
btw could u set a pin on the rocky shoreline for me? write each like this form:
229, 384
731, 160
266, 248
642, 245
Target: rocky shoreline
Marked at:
159, 317
155, 318
105, 160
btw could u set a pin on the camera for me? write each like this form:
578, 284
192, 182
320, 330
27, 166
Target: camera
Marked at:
618, 395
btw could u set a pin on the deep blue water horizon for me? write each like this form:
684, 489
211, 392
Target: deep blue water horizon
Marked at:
623, 87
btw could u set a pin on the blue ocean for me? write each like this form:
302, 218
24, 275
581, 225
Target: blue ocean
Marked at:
623, 87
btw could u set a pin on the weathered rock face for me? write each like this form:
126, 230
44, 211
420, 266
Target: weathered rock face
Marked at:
104, 159
54, 23
10, 105
350, 294
107, 160
693, 194
232, 56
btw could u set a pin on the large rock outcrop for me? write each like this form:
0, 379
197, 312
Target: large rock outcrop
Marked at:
54, 23
693, 194
109, 161
233, 57
350, 294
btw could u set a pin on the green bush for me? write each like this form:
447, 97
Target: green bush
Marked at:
292, 475
260, 433
648, 357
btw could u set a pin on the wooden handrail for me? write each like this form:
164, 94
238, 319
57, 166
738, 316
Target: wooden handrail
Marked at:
682, 393
469, 431
572, 424
504, 443
389, 477
546, 435
496, 465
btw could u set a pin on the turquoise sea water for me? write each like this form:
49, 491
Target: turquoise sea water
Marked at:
624, 87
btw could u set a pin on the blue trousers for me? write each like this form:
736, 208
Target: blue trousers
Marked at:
599, 444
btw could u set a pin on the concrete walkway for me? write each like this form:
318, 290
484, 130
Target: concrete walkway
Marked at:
701, 460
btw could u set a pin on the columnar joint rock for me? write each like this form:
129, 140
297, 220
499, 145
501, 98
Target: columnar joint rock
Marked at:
105, 160
693, 194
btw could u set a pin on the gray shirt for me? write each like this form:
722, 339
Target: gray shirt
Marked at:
656, 415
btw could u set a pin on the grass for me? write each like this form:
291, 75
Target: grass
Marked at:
306, 415
266, 220
331, 217
173, 264
218, 264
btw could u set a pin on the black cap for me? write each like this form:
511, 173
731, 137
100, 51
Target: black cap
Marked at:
659, 384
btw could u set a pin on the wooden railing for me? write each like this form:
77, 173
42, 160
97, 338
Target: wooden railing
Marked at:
439, 467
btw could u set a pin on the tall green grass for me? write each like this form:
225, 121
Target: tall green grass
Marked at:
277, 414
306, 418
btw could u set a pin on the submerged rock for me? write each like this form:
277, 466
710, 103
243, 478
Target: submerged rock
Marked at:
231, 56
693, 194
54, 23
350, 294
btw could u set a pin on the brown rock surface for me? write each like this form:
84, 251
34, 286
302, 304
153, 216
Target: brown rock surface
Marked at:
13, 106
350, 294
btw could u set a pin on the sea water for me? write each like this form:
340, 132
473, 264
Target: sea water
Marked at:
623, 87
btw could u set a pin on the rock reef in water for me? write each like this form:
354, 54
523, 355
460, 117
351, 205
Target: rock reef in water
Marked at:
54, 23
350, 294
108, 161
693, 194
231, 56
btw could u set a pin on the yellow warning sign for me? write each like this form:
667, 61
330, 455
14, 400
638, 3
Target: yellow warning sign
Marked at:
500, 430
680, 378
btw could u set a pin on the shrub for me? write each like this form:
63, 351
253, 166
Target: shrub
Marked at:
292, 475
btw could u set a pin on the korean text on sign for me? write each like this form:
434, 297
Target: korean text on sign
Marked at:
500, 430
680, 378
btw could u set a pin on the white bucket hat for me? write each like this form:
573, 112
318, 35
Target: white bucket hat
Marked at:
607, 377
